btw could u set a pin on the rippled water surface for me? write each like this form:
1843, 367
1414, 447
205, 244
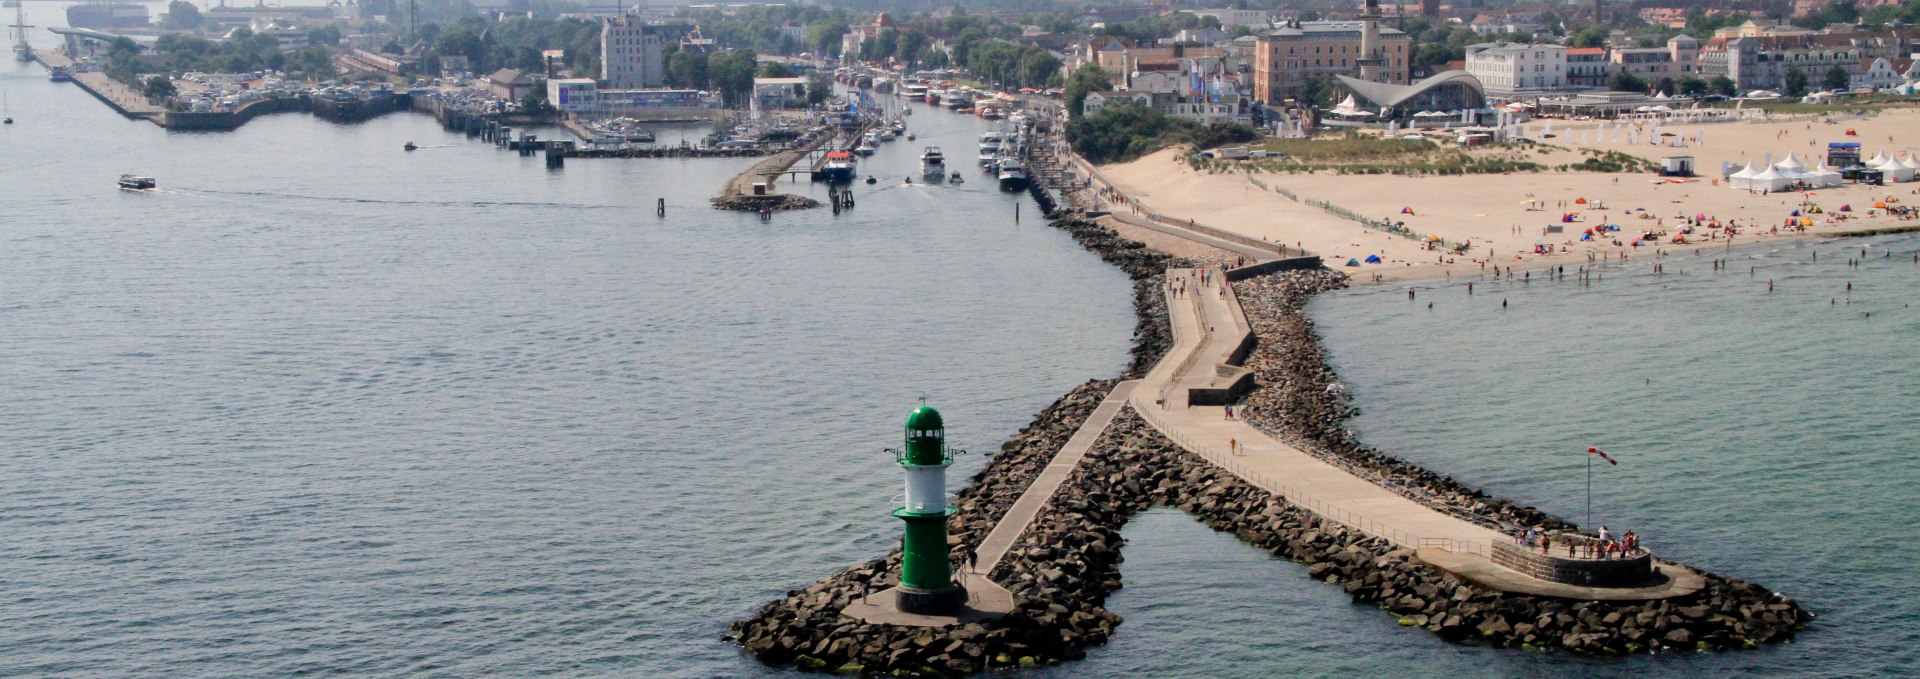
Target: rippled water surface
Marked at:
318, 405
1765, 436
321, 405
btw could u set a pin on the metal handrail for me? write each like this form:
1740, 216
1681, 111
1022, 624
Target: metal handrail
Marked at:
1326, 510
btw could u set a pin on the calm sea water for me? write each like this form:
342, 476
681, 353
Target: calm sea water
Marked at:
319, 405
1775, 443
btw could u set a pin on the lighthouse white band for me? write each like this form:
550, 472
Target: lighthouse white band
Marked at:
927, 489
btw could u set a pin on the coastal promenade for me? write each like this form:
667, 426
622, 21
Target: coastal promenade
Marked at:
1209, 314
1211, 336
1018, 517
122, 98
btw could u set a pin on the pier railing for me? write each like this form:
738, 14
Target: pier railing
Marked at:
1324, 509
1186, 364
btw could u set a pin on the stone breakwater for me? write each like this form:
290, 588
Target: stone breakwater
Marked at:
1063, 568
805, 629
1070, 560
1299, 401
780, 202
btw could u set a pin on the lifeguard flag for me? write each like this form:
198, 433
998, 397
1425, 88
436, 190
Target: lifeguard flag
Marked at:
1603, 455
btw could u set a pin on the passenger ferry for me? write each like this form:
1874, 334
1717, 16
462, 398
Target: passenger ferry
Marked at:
839, 168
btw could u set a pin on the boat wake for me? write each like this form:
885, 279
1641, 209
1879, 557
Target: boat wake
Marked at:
428, 203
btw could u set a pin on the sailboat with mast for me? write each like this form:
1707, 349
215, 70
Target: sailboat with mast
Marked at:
21, 50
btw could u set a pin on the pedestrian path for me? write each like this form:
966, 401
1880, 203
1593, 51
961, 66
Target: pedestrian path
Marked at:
1021, 514
1210, 325
1210, 314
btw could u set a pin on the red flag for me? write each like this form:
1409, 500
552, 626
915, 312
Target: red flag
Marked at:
1603, 455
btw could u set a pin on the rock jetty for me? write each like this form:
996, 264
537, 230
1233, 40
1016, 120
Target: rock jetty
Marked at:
778, 202
1064, 566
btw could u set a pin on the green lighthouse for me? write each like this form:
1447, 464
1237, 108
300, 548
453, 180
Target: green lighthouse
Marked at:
926, 575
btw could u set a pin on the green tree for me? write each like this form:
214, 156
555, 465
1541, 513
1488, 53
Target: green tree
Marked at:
1666, 86
774, 70
1315, 90
1837, 79
1593, 36
1723, 85
1627, 82
1796, 82
535, 102
1088, 78
182, 14
1693, 87
687, 70
158, 87
819, 88
824, 35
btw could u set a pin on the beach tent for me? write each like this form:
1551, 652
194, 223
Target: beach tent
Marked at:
1373, 259
1352, 262
1791, 165
1769, 179
1910, 162
1893, 170
1739, 179
1821, 176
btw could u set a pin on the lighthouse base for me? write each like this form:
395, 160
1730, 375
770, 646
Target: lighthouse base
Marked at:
984, 600
929, 602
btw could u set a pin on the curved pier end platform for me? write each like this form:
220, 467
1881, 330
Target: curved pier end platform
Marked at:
1673, 580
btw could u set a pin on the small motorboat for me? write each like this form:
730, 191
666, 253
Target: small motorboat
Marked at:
911, 136
137, 183
410, 146
9, 120
871, 180
957, 179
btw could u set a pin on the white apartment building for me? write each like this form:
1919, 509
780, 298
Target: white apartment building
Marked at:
1505, 68
630, 52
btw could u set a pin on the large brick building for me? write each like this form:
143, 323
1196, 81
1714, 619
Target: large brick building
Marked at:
1286, 57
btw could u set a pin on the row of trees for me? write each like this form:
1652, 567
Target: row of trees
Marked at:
246, 52
515, 43
1796, 83
730, 74
1125, 130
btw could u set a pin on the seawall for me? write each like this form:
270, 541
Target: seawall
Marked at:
1064, 566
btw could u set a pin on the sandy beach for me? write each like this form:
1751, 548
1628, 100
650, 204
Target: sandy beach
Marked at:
1505, 216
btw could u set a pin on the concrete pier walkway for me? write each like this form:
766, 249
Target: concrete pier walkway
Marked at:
994, 547
1211, 335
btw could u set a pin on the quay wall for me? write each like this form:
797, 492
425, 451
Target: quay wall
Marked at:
227, 120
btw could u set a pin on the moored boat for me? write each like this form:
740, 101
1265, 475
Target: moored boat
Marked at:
137, 182
1013, 175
